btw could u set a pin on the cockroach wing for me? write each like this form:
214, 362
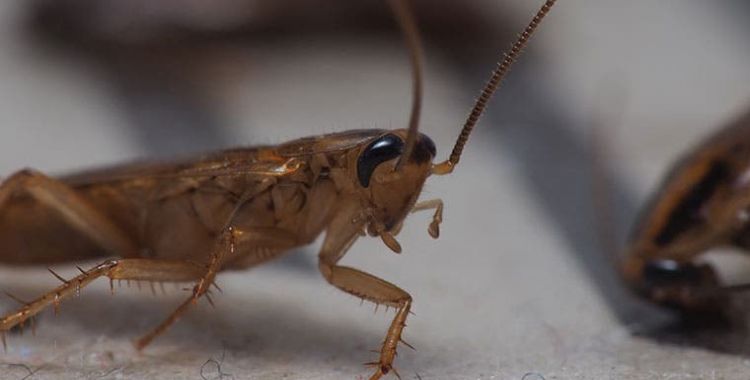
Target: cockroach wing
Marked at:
262, 160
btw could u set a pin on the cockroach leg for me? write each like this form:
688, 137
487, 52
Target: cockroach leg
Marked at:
225, 246
136, 269
381, 292
437, 218
341, 235
74, 209
390, 241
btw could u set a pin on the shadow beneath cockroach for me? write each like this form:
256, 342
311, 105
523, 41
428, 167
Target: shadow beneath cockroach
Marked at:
726, 331
299, 262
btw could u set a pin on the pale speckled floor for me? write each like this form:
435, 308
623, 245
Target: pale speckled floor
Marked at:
515, 288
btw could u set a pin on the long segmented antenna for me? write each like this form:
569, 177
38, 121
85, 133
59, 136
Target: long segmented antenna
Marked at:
498, 74
408, 26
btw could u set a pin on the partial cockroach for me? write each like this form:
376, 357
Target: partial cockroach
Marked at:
238, 208
703, 203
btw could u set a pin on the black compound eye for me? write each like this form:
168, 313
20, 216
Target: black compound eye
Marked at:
381, 150
668, 272
424, 149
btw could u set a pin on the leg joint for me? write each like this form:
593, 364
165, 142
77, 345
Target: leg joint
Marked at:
326, 270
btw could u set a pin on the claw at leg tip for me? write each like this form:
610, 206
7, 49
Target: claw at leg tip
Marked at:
434, 230
139, 345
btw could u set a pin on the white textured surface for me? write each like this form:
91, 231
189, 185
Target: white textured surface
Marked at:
505, 293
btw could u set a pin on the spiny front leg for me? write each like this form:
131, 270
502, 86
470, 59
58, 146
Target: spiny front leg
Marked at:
381, 292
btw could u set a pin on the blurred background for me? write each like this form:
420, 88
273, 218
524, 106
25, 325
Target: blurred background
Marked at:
517, 287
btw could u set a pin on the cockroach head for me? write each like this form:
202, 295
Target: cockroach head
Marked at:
390, 193
391, 169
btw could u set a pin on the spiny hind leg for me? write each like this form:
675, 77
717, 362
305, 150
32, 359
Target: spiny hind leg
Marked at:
225, 245
123, 269
75, 210
381, 292
232, 239
154, 270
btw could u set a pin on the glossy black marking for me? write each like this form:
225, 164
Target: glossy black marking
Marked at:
424, 149
687, 213
658, 273
325, 172
741, 238
381, 150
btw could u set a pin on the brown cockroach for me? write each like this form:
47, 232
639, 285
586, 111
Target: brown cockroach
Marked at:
703, 203
185, 222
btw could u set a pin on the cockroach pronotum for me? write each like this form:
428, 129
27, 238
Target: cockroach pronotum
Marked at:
187, 221
703, 203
